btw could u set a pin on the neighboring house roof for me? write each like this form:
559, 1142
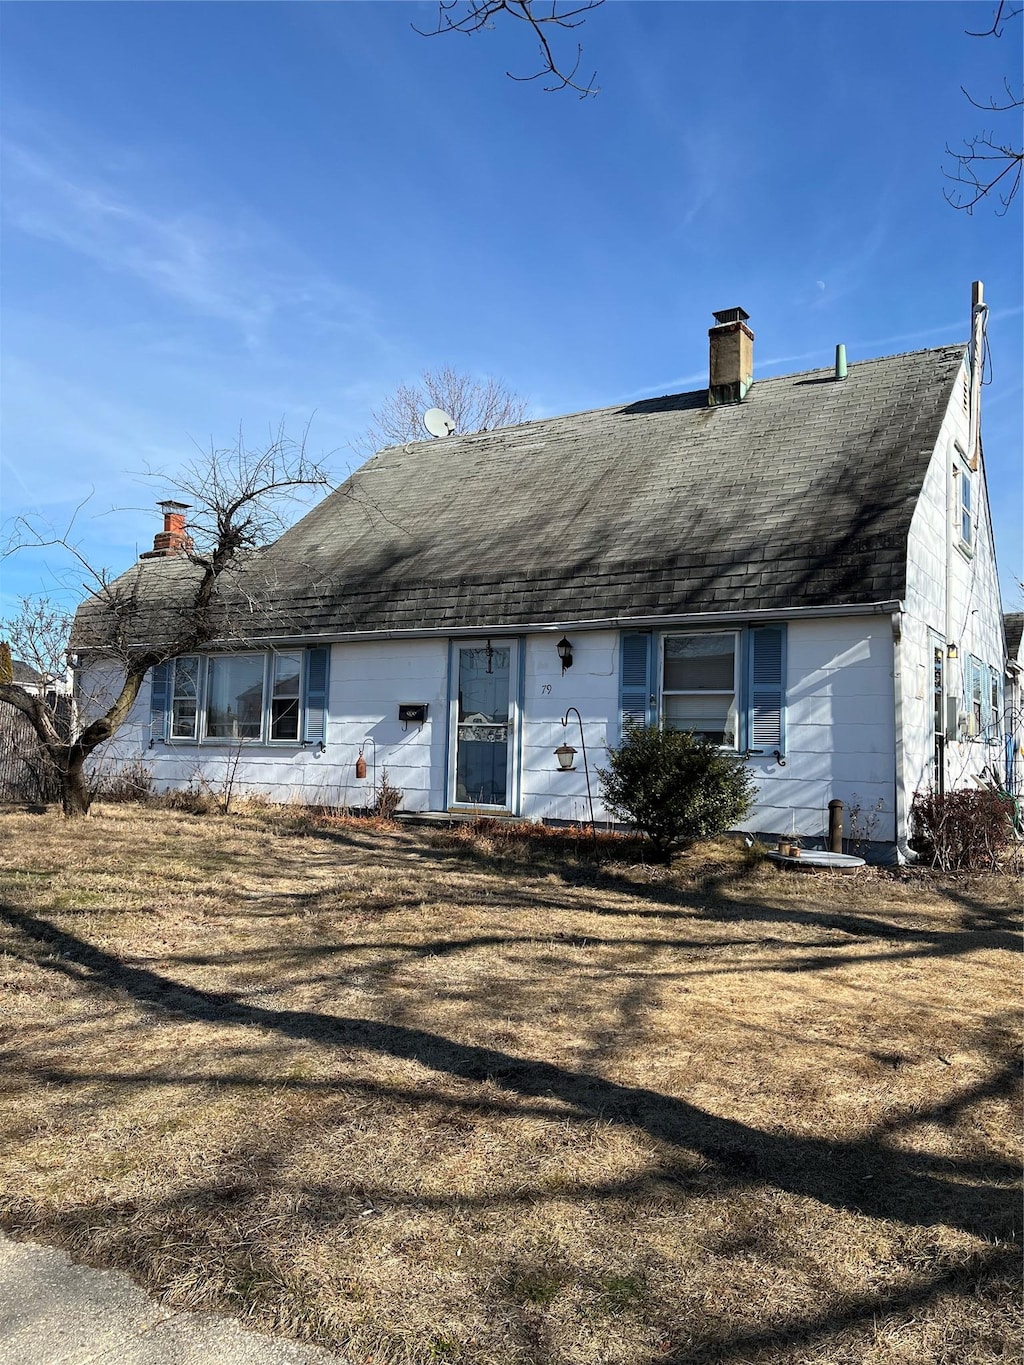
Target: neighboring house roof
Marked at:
24, 674
800, 496
1013, 623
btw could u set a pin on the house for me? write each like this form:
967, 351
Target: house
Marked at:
801, 568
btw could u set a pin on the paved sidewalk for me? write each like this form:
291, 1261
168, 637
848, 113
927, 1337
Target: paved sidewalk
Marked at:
53, 1312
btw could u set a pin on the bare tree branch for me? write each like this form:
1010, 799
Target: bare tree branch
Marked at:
988, 164
1000, 18
474, 16
239, 499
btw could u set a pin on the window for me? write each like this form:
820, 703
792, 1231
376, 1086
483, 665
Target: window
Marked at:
272, 697
966, 522
699, 686
284, 702
976, 699
185, 697
234, 696
728, 686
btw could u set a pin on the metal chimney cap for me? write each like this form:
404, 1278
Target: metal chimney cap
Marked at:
169, 505
730, 315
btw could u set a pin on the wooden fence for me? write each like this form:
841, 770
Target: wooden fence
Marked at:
26, 773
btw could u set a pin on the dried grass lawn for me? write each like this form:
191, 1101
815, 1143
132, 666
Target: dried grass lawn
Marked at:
419, 1097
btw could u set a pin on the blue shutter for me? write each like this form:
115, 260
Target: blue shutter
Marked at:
766, 689
317, 661
159, 699
635, 689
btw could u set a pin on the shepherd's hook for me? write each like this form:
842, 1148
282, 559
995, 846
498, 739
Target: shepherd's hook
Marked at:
586, 770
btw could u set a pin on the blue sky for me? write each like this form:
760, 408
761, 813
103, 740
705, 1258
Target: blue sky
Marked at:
225, 214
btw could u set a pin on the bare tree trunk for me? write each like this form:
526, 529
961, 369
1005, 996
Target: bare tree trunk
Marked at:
75, 797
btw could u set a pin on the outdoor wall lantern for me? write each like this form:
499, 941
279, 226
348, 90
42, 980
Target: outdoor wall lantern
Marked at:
564, 648
952, 652
565, 754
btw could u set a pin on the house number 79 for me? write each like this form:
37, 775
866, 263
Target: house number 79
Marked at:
545, 688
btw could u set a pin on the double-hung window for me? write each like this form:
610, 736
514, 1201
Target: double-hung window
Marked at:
185, 697
966, 519
285, 694
699, 686
279, 696
727, 686
983, 700
965, 501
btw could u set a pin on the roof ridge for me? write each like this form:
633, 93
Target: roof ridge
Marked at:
663, 397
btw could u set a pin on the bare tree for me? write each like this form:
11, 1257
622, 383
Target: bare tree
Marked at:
35, 656
989, 162
37, 636
472, 404
160, 608
543, 18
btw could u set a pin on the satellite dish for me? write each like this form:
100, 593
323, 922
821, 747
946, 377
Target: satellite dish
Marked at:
438, 423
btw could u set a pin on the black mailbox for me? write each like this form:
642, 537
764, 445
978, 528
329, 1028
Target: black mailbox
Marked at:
412, 712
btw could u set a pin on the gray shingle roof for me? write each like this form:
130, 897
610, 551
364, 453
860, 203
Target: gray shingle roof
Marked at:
801, 496
1013, 622
25, 674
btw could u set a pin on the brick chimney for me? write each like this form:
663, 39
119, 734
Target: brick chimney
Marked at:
173, 539
732, 357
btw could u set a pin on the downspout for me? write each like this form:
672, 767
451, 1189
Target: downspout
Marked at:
901, 830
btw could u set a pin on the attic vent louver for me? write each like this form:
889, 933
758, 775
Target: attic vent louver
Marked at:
732, 357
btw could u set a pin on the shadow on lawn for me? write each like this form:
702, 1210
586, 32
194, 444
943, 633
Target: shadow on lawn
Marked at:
986, 927
864, 1176
869, 1176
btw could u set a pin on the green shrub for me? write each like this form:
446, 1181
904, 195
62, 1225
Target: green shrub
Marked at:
961, 831
675, 787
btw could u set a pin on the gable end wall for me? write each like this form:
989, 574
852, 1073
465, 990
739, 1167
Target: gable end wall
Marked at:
975, 617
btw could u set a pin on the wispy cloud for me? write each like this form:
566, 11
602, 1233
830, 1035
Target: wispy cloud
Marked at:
212, 267
953, 331
681, 384
178, 255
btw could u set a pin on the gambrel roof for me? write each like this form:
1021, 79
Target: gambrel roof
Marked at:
799, 496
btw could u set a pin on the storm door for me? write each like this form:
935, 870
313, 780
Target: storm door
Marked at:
937, 689
483, 713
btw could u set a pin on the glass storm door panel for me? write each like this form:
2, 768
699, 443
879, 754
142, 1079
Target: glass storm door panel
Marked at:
482, 725
938, 717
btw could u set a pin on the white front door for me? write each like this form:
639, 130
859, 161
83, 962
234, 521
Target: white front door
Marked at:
482, 723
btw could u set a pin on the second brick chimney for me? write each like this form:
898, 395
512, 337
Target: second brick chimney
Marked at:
173, 539
732, 357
